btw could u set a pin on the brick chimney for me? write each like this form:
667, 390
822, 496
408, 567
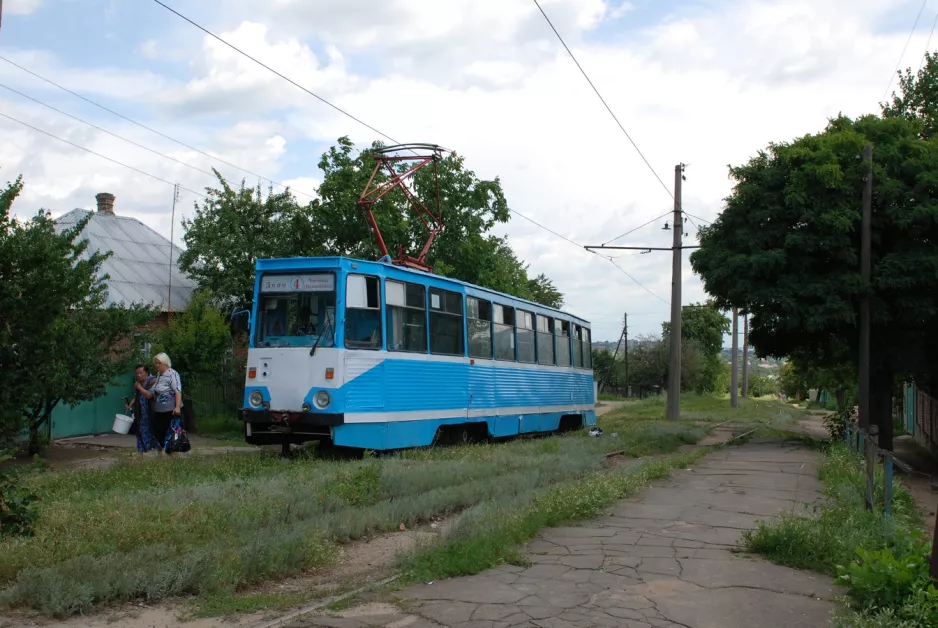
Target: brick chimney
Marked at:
105, 203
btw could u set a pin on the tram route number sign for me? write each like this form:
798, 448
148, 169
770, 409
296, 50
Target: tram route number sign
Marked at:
322, 282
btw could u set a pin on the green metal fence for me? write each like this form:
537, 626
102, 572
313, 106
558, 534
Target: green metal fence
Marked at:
213, 396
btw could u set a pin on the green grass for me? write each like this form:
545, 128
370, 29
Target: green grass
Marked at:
225, 427
148, 529
490, 534
869, 552
696, 409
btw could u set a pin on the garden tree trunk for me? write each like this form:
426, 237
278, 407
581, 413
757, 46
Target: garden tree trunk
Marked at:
841, 398
817, 397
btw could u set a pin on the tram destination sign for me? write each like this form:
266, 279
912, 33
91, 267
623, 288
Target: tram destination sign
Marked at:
321, 282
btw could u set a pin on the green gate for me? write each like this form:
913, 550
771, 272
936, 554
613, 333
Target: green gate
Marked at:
95, 416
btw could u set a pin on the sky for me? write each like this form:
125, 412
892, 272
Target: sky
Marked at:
707, 83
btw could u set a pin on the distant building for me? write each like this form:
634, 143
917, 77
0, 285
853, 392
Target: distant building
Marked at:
138, 272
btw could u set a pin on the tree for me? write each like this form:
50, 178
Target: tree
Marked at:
917, 98
58, 341
604, 368
233, 228
705, 325
542, 290
786, 248
197, 339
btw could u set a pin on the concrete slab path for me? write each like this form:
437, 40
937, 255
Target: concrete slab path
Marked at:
662, 559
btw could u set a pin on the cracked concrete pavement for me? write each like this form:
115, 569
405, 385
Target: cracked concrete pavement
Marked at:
662, 559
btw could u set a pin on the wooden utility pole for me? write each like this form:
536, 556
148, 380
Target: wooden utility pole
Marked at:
734, 362
674, 364
745, 355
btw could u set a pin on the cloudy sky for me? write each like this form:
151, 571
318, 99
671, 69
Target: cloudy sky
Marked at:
704, 82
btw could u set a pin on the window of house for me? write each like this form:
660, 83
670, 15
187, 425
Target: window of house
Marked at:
407, 316
526, 337
362, 312
562, 336
504, 332
545, 340
446, 323
479, 320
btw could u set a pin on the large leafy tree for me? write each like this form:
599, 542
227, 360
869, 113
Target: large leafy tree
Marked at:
705, 325
198, 340
917, 98
58, 341
233, 228
786, 248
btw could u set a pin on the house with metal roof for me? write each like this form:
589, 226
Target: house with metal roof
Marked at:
143, 267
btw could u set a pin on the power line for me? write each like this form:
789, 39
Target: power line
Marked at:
368, 126
88, 150
93, 126
150, 129
603, 100
653, 220
698, 218
892, 76
267, 67
645, 288
928, 43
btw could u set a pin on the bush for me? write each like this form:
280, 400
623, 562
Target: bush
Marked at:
880, 559
18, 505
836, 422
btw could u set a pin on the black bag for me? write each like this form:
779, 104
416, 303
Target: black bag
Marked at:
177, 439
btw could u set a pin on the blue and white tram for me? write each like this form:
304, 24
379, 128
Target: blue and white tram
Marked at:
376, 356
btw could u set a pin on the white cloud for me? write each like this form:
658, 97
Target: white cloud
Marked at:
21, 7
489, 79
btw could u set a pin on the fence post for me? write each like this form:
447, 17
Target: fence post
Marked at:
870, 469
887, 483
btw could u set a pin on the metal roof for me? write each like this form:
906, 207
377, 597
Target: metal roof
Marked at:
138, 269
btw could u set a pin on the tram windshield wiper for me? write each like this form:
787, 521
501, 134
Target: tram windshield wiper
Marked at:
328, 328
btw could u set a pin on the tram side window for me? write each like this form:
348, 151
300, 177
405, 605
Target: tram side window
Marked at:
562, 330
446, 324
577, 346
545, 340
479, 315
587, 349
504, 332
407, 316
362, 312
526, 338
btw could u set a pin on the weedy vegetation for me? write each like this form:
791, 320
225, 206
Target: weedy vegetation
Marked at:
880, 560
212, 526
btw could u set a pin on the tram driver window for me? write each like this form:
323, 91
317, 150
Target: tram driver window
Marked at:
362, 312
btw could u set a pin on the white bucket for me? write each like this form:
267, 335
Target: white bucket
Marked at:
122, 423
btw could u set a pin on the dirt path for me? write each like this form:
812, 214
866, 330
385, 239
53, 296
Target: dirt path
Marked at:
661, 559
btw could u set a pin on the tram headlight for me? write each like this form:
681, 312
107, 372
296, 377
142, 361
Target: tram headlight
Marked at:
256, 399
322, 399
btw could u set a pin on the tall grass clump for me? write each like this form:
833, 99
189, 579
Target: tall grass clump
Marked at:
880, 559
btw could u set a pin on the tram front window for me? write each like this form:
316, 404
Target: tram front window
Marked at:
296, 311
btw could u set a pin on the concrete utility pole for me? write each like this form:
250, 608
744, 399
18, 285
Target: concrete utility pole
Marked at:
865, 246
745, 355
625, 334
734, 361
172, 225
674, 365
